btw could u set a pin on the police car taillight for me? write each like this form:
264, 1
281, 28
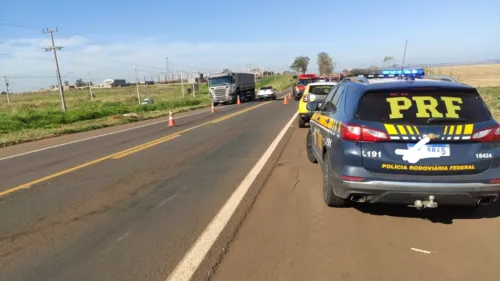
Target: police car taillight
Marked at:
487, 135
357, 133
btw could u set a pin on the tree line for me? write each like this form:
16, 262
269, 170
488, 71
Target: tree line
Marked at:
326, 65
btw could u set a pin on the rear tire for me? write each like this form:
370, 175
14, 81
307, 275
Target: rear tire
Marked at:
331, 200
302, 123
309, 148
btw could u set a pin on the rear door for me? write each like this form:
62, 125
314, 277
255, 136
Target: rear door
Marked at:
321, 123
428, 131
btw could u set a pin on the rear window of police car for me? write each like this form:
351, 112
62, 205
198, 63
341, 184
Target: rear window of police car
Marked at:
320, 89
423, 107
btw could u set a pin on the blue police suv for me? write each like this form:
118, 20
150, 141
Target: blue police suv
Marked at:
409, 140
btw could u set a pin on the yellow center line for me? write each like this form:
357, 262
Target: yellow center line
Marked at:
125, 152
236, 113
144, 147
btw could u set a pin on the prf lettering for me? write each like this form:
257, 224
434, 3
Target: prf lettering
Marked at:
426, 106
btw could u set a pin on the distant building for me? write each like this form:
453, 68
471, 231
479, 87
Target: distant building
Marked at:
113, 83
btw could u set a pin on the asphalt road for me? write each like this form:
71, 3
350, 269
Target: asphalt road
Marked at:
290, 234
128, 205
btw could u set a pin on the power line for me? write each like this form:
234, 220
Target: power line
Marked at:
19, 25
54, 49
30, 77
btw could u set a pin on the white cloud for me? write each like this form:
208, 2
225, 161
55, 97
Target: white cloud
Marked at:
118, 60
27, 57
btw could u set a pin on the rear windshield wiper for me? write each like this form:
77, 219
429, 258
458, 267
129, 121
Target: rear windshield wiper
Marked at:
445, 120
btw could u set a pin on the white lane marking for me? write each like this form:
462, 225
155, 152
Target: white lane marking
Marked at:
117, 241
421, 251
191, 261
103, 135
170, 198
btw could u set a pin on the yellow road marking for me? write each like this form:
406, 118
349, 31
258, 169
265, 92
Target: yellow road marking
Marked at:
144, 147
121, 154
236, 113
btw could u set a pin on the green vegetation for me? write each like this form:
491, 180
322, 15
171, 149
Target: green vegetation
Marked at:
279, 82
33, 116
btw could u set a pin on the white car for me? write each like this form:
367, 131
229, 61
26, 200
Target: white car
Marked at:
266, 92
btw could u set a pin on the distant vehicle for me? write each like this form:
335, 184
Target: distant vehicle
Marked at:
266, 92
316, 91
147, 101
397, 137
227, 87
304, 79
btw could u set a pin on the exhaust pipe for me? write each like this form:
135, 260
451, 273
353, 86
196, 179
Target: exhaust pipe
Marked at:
358, 198
486, 200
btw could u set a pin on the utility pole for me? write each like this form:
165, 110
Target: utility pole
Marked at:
7, 89
166, 76
90, 88
137, 84
54, 49
182, 85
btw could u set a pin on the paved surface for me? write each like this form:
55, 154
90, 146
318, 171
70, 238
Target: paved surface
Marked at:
89, 211
291, 235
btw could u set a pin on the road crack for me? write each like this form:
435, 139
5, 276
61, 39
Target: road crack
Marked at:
297, 179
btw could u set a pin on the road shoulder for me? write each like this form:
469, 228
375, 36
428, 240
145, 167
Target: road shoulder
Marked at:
290, 234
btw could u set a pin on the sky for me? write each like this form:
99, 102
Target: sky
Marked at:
110, 39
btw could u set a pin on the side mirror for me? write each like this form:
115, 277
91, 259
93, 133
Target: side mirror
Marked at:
312, 106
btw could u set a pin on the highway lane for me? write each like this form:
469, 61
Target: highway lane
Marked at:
290, 234
19, 170
132, 216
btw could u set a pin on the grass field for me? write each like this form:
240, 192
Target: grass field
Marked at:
486, 75
33, 116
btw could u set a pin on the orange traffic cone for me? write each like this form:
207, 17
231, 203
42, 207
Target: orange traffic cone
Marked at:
213, 108
239, 102
171, 122
285, 101
290, 95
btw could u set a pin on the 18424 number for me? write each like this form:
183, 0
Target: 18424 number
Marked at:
484, 155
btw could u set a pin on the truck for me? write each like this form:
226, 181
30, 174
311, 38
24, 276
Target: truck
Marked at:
299, 88
227, 87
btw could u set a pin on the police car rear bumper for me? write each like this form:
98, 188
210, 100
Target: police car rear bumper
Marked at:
407, 192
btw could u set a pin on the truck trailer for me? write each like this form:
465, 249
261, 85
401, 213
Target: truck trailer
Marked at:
227, 87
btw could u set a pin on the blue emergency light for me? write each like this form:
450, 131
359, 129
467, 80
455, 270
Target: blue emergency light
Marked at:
414, 71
